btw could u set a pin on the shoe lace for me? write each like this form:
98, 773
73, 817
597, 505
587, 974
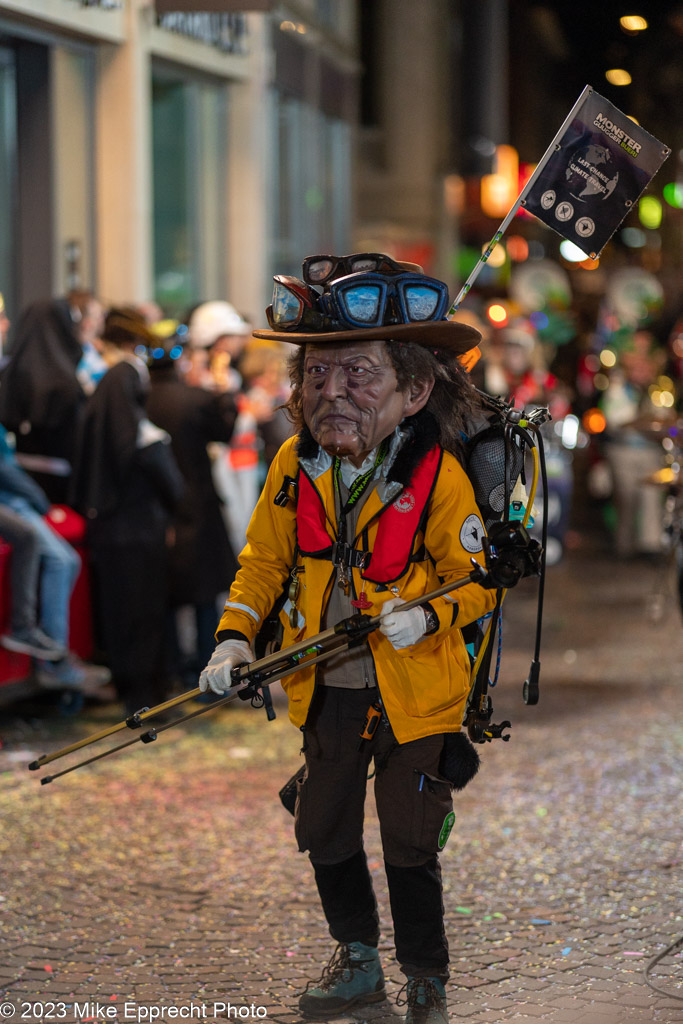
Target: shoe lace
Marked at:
421, 994
339, 962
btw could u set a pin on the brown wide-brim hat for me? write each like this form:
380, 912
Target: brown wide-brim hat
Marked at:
447, 334
125, 325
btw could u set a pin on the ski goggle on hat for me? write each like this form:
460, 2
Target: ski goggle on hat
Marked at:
294, 306
356, 301
318, 270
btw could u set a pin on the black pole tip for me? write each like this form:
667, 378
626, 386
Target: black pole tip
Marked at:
530, 690
34, 765
48, 778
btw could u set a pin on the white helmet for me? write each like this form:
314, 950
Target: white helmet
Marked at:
214, 320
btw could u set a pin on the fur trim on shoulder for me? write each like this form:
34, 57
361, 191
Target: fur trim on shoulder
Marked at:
423, 433
306, 446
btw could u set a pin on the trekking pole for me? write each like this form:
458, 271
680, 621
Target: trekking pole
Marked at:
135, 720
248, 678
243, 693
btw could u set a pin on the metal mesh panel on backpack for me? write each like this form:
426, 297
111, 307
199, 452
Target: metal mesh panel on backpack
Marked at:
486, 469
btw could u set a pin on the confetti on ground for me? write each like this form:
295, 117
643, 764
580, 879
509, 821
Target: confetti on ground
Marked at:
169, 873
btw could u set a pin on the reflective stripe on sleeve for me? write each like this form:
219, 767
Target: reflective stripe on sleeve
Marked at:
243, 608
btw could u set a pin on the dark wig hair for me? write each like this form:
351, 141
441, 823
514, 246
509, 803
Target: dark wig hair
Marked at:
452, 403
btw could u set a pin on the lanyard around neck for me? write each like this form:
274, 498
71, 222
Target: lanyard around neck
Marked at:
360, 484
357, 489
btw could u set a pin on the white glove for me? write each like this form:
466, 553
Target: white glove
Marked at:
402, 629
228, 654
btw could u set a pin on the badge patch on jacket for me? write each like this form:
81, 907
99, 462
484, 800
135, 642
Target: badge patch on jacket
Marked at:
471, 533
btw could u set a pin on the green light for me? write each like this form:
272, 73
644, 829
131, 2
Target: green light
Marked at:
673, 193
650, 212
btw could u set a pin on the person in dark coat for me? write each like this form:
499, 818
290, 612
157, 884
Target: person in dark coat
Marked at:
202, 558
127, 485
41, 397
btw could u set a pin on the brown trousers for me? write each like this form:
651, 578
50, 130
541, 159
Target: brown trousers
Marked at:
413, 801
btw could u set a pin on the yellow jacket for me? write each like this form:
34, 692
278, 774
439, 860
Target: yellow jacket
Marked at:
423, 687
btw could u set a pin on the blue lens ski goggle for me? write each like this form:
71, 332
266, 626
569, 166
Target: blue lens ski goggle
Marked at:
373, 300
294, 306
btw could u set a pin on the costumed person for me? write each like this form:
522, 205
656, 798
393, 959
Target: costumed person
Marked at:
127, 484
44, 571
217, 336
41, 397
266, 383
517, 371
366, 508
202, 562
88, 312
631, 447
43, 578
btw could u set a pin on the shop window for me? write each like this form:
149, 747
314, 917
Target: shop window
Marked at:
188, 132
311, 194
72, 79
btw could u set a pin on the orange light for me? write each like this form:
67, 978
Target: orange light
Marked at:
495, 195
633, 23
593, 421
454, 194
518, 248
507, 164
500, 189
497, 314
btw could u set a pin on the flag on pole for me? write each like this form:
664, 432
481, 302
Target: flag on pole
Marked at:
587, 180
598, 168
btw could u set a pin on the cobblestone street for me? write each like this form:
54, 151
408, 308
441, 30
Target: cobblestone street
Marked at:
167, 876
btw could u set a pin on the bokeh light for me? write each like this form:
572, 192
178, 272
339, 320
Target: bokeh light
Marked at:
497, 257
571, 252
618, 76
593, 421
633, 23
518, 248
650, 212
497, 314
673, 194
539, 320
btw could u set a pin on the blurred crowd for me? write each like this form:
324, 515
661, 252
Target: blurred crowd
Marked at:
133, 449
608, 363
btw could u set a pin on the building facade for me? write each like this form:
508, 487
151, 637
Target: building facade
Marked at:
176, 156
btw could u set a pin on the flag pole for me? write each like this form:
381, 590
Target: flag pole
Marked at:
520, 199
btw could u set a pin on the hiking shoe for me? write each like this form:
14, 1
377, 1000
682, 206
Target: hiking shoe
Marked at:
92, 676
353, 975
33, 642
426, 1001
71, 674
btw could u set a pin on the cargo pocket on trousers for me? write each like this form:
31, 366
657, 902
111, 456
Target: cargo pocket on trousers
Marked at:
433, 816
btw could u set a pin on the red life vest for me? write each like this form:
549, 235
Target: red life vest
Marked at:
399, 523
